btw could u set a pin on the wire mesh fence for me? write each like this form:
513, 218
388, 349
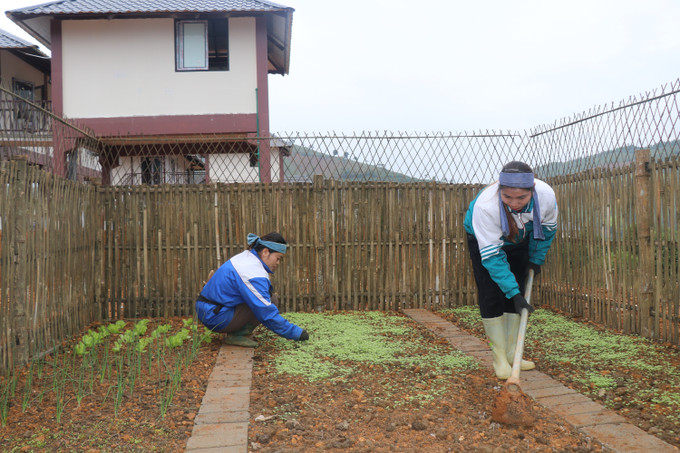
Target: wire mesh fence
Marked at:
608, 136
604, 137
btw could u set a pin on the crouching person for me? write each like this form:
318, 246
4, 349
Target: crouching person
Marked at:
238, 295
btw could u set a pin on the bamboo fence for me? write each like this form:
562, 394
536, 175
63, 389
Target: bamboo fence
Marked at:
74, 253
47, 250
616, 260
380, 229
367, 246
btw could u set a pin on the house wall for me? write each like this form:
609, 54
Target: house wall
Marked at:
12, 66
129, 170
131, 71
223, 168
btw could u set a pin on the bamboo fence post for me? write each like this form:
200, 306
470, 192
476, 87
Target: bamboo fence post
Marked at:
645, 267
97, 270
18, 288
319, 301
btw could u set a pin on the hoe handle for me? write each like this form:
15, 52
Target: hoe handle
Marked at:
524, 318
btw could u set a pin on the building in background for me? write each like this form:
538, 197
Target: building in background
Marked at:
24, 75
176, 91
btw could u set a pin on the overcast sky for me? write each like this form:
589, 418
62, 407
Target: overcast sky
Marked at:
450, 65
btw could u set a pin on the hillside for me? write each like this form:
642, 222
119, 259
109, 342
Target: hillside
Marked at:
303, 163
618, 157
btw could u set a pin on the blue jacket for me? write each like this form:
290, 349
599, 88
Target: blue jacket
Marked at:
243, 279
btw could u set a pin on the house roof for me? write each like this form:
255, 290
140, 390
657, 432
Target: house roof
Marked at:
9, 41
25, 50
36, 19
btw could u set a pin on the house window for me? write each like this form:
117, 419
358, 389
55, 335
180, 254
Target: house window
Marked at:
24, 89
151, 170
202, 45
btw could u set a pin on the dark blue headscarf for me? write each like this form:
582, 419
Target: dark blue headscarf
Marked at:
521, 181
254, 239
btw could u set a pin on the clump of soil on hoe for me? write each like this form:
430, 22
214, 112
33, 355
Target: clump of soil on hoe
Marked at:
388, 408
513, 407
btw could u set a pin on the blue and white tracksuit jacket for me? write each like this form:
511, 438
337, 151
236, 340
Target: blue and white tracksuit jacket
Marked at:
483, 221
243, 279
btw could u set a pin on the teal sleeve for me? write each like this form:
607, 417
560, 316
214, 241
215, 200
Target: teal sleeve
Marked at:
499, 269
539, 248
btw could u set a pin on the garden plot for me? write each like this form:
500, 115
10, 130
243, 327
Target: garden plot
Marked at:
375, 382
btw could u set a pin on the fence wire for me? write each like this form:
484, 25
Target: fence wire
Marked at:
608, 136
604, 137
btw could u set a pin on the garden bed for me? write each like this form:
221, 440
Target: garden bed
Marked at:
69, 401
636, 377
364, 382
371, 382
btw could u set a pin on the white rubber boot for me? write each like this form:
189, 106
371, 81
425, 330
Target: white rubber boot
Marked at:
512, 328
495, 331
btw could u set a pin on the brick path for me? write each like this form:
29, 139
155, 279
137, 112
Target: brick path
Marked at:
222, 421
580, 411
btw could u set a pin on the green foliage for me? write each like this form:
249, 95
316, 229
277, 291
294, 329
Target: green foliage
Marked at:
140, 327
592, 355
340, 342
160, 330
177, 340
467, 315
597, 381
116, 327
89, 358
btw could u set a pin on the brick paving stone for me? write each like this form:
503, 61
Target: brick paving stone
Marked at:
470, 346
536, 376
554, 390
227, 400
624, 437
560, 400
576, 408
219, 435
594, 418
221, 424
236, 365
215, 414
231, 449
237, 376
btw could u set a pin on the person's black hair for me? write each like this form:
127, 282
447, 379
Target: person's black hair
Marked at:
516, 166
272, 237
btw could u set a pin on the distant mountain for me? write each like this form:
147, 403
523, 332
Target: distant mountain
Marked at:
303, 163
614, 158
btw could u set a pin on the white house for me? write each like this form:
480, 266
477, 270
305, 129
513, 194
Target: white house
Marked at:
177, 90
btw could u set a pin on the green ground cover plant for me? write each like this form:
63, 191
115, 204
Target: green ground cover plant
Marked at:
633, 375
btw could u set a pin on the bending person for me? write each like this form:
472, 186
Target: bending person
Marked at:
238, 296
511, 225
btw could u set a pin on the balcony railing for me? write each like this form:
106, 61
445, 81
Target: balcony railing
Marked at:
164, 177
18, 116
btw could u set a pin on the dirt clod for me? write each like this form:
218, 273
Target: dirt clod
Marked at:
513, 408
